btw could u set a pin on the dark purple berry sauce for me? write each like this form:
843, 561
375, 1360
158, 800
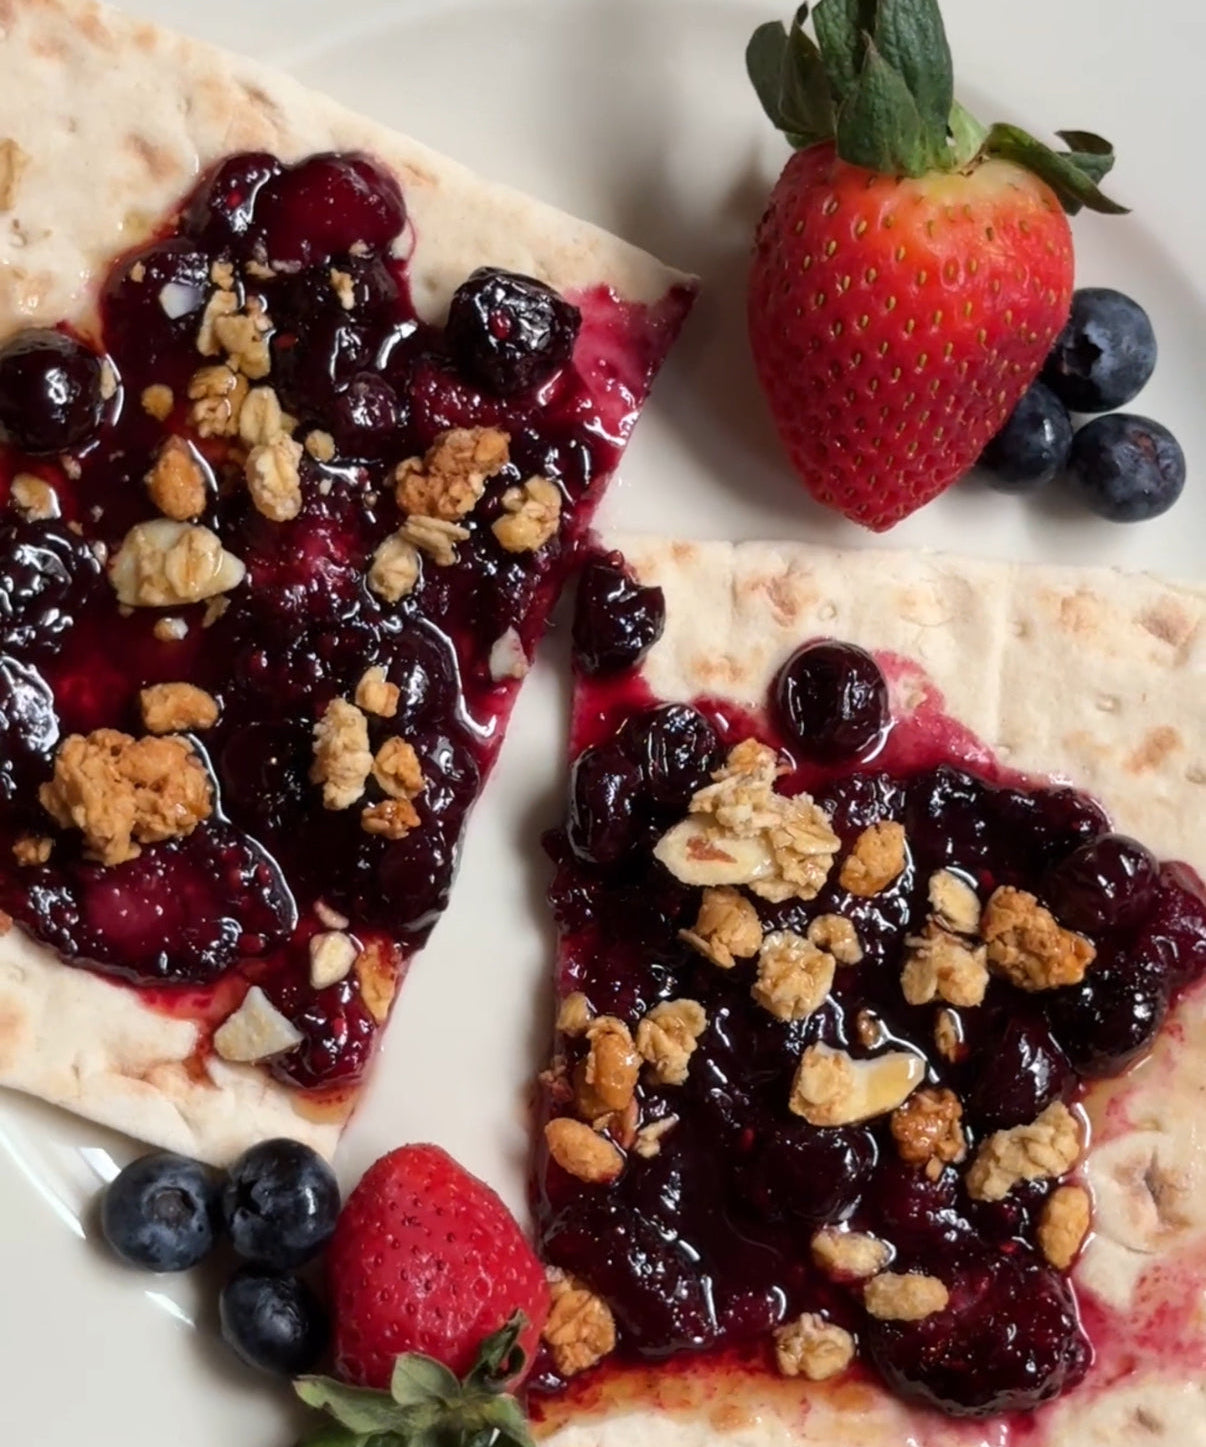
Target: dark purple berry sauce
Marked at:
348, 357
704, 1248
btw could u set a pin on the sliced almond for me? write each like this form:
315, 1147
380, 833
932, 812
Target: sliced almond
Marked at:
332, 955
255, 1031
832, 1088
697, 853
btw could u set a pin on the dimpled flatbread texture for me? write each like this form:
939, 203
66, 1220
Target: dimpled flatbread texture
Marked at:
1089, 676
105, 124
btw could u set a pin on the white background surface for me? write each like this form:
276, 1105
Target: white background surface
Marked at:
636, 114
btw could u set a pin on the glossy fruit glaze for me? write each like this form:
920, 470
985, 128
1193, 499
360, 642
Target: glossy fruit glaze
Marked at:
704, 1248
236, 899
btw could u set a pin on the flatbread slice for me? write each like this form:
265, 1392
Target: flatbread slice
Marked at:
106, 123
1084, 677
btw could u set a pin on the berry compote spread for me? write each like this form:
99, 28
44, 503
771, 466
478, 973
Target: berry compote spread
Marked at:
274, 555
829, 998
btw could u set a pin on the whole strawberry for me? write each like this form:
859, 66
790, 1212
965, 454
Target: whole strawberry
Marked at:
913, 267
427, 1259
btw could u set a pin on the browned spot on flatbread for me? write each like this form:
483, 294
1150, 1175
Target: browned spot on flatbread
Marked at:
1168, 621
158, 162
682, 552
1156, 746
327, 1107
1081, 612
14, 1029
6, 922
1147, 1421
789, 595
261, 101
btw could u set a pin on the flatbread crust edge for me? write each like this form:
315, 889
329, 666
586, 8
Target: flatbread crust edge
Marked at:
1093, 676
105, 123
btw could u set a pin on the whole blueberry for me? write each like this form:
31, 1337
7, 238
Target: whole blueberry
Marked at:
273, 1321
605, 813
510, 333
280, 1204
161, 1213
1127, 468
616, 620
1033, 445
1108, 883
50, 392
1105, 354
832, 700
676, 749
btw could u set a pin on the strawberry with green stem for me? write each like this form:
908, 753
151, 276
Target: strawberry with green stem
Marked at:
913, 267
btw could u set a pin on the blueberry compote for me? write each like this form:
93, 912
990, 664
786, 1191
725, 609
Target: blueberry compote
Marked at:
284, 277
704, 1245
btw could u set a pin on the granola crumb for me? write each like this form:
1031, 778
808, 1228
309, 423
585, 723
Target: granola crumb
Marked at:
1028, 947
575, 1014
397, 769
434, 536
837, 935
668, 1036
170, 630
1043, 1150
849, 1255
343, 287
376, 695
908, 1296
395, 568
163, 563
217, 395
927, 1130
727, 928
449, 480
342, 758
320, 445
813, 1348
34, 499
172, 708
794, 977
606, 1079
214, 609
580, 1330
222, 274
32, 849
121, 793
580, 1152
954, 904
391, 818
942, 966
531, 516
648, 1143
877, 859
176, 481
273, 479
158, 401
948, 1036
1064, 1224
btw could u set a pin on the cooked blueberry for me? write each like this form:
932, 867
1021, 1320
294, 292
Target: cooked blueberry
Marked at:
810, 1175
1114, 1014
857, 800
338, 1035
1126, 468
832, 701
47, 577
310, 368
413, 877
1033, 445
273, 1321
223, 207
153, 305
280, 1204
604, 817
1105, 354
676, 749
29, 728
161, 1213
1106, 884
50, 393
509, 333
324, 206
1016, 1076
366, 416
919, 1215
616, 620
1175, 931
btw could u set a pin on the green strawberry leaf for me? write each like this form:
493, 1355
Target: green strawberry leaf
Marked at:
789, 79
331, 1434
842, 28
1092, 153
879, 125
912, 39
1074, 185
418, 1380
967, 136
357, 1408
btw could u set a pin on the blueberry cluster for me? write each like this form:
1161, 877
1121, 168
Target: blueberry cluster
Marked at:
1124, 467
277, 1206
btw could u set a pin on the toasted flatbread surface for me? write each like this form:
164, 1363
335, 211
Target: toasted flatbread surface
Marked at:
105, 124
1092, 677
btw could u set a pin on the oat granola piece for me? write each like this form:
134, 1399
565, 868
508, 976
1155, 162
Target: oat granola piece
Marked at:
34, 499
273, 479
1028, 947
395, 568
668, 1036
948, 1036
954, 904
332, 955
1064, 1224
434, 536
162, 563
907, 1296
176, 482
580, 1152
390, 818
831, 1088
342, 757
531, 516
727, 928
942, 966
606, 1078
803, 846
121, 793
927, 1130
320, 445
217, 395
877, 859
398, 770
794, 977
375, 694
344, 288
449, 480
580, 1330
242, 335
172, 708
1043, 1150
261, 419
575, 1014
836, 934
222, 303
648, 1142
849, 1255
32, 849
170, 630
812, 1347
158, 401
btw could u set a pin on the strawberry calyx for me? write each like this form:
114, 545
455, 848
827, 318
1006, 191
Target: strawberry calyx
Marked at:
877, 81
427, 1405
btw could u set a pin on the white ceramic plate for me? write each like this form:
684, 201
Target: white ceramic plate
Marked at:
636, 114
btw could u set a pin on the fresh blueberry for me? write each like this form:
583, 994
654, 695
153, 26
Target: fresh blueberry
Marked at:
616, 621
50, 392
273, 1321
1033, 445
1127, 468
161, 1213
280, 1203
1105, 354
510, 333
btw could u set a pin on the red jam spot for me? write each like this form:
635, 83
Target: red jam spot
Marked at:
235, 900
703, 1249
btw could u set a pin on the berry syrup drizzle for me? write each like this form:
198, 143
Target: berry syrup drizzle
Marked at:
194, 920
703, 1250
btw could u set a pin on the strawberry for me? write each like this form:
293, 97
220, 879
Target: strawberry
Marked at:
426, 1258
912, 268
